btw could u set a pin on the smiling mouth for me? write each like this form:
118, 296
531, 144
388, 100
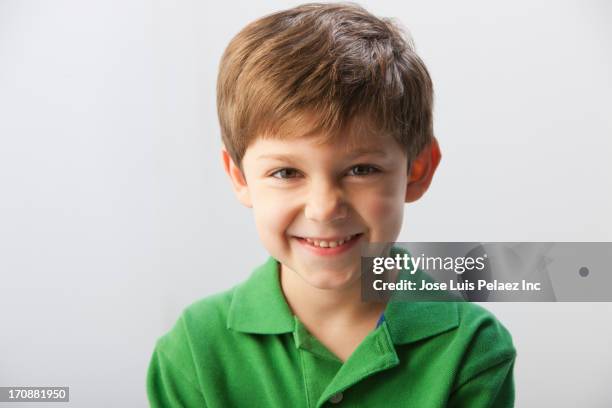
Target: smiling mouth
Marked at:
321, 243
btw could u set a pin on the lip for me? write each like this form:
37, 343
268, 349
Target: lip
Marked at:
336, 238
329, 251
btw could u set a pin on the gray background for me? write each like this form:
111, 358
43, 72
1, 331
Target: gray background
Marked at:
115, 213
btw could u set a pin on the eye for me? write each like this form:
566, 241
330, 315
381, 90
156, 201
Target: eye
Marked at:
285, 173
361, 170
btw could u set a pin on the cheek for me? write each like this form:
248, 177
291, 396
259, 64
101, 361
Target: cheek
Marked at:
273, 216
385, 210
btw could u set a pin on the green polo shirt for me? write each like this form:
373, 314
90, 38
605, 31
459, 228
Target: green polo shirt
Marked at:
244, 348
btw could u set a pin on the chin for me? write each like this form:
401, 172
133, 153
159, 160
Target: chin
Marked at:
331, 280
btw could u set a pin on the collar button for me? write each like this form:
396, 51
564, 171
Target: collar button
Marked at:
336, 398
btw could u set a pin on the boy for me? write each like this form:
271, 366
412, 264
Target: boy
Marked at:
326, 119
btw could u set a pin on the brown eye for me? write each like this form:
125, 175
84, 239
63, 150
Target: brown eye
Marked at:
286, 173
362, 170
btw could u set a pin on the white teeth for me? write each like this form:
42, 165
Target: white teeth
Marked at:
328, 244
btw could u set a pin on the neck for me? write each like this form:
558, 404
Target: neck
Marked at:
327, 307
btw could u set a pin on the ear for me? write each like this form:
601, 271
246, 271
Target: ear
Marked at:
239, 184
422, 170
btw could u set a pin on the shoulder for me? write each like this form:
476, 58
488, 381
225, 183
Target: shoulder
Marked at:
211, 324
486, 342
181, 351
210, 312
201, 321
175, 374
474, 321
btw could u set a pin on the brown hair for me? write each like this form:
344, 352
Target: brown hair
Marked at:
336, 63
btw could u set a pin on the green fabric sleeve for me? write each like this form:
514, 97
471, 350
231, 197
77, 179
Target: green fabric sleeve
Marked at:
172, 378
167, 386
492, 388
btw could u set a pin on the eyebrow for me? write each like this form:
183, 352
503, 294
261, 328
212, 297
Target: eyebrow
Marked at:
351, 155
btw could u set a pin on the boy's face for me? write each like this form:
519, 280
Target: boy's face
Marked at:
316, 205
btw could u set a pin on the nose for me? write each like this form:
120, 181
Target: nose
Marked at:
325, 203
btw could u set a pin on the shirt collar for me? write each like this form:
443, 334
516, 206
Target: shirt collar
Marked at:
413, 321
258, 306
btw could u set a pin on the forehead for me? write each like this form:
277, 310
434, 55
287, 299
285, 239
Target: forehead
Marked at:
305, 150
316, 146
302, 134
